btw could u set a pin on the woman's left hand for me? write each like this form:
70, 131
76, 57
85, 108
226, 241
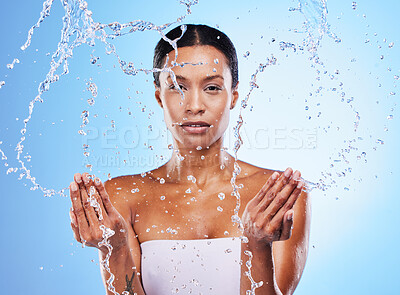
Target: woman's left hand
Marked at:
268, 216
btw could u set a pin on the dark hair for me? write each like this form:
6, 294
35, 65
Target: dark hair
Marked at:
196, 35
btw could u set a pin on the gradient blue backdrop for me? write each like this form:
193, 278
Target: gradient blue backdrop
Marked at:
354, 238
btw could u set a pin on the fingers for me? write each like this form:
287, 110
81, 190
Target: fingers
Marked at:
85, 189
92, 191
284, 195
109, 208
74, 226
288, 206
79, 212
266, 187
271, 194
287, 224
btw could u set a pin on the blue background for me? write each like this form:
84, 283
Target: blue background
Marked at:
354, 235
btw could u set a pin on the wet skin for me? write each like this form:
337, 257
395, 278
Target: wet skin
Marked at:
141, 208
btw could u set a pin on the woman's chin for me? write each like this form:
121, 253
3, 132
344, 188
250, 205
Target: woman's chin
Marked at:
196, 144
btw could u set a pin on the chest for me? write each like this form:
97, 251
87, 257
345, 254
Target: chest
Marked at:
186, 213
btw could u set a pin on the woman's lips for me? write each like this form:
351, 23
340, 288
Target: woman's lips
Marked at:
195, 127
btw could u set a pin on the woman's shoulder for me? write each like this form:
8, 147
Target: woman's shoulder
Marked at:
250, 171
131, 183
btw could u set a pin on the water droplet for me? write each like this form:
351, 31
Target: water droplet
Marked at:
214, 70
226, 233
382, 57
391, 44
162, 180
135, 190
390, 117
11, 65
220, 209
221, 196
188, 191
162, 197
147, 230
2, 83
246, 54
90, 101
143, 174
354, 5
191, 178
216, 61
199, 148
380, 141
170, 146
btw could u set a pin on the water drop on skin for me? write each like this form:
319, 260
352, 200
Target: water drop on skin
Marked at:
191, 178
162, 180
221, 196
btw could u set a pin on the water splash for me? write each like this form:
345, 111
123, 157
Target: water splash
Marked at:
107, 233
315, 28
11, 65
79, 28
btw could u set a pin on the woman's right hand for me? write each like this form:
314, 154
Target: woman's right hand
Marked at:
86, 219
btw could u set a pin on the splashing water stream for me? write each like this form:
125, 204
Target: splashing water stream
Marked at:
80, 28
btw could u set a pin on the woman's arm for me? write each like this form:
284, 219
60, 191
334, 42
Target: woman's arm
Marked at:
268, 218
290, 256
91, 215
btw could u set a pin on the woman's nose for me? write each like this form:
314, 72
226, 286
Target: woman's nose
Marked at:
194, 103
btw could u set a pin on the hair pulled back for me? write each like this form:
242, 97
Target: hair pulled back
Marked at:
196, 35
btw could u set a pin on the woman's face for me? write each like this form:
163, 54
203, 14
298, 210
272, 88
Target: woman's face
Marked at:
201, 118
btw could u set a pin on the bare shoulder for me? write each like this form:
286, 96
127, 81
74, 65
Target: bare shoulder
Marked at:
126, 192
253, 173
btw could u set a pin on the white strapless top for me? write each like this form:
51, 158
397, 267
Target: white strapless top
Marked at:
204, 266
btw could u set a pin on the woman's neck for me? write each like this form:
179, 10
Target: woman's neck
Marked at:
199, 165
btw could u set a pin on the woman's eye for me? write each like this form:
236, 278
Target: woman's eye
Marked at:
213, 88
172, 87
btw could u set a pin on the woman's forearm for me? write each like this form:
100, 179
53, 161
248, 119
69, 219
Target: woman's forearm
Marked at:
126, 277
262, 269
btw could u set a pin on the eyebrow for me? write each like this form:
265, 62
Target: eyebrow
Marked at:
208, 78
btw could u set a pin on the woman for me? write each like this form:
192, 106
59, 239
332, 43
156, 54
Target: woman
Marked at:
173, 228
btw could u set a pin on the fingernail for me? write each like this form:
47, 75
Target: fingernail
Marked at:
290, 216
86, 180
287, 172
300, 184
74, 187
78, 179
275, 175
97, 181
